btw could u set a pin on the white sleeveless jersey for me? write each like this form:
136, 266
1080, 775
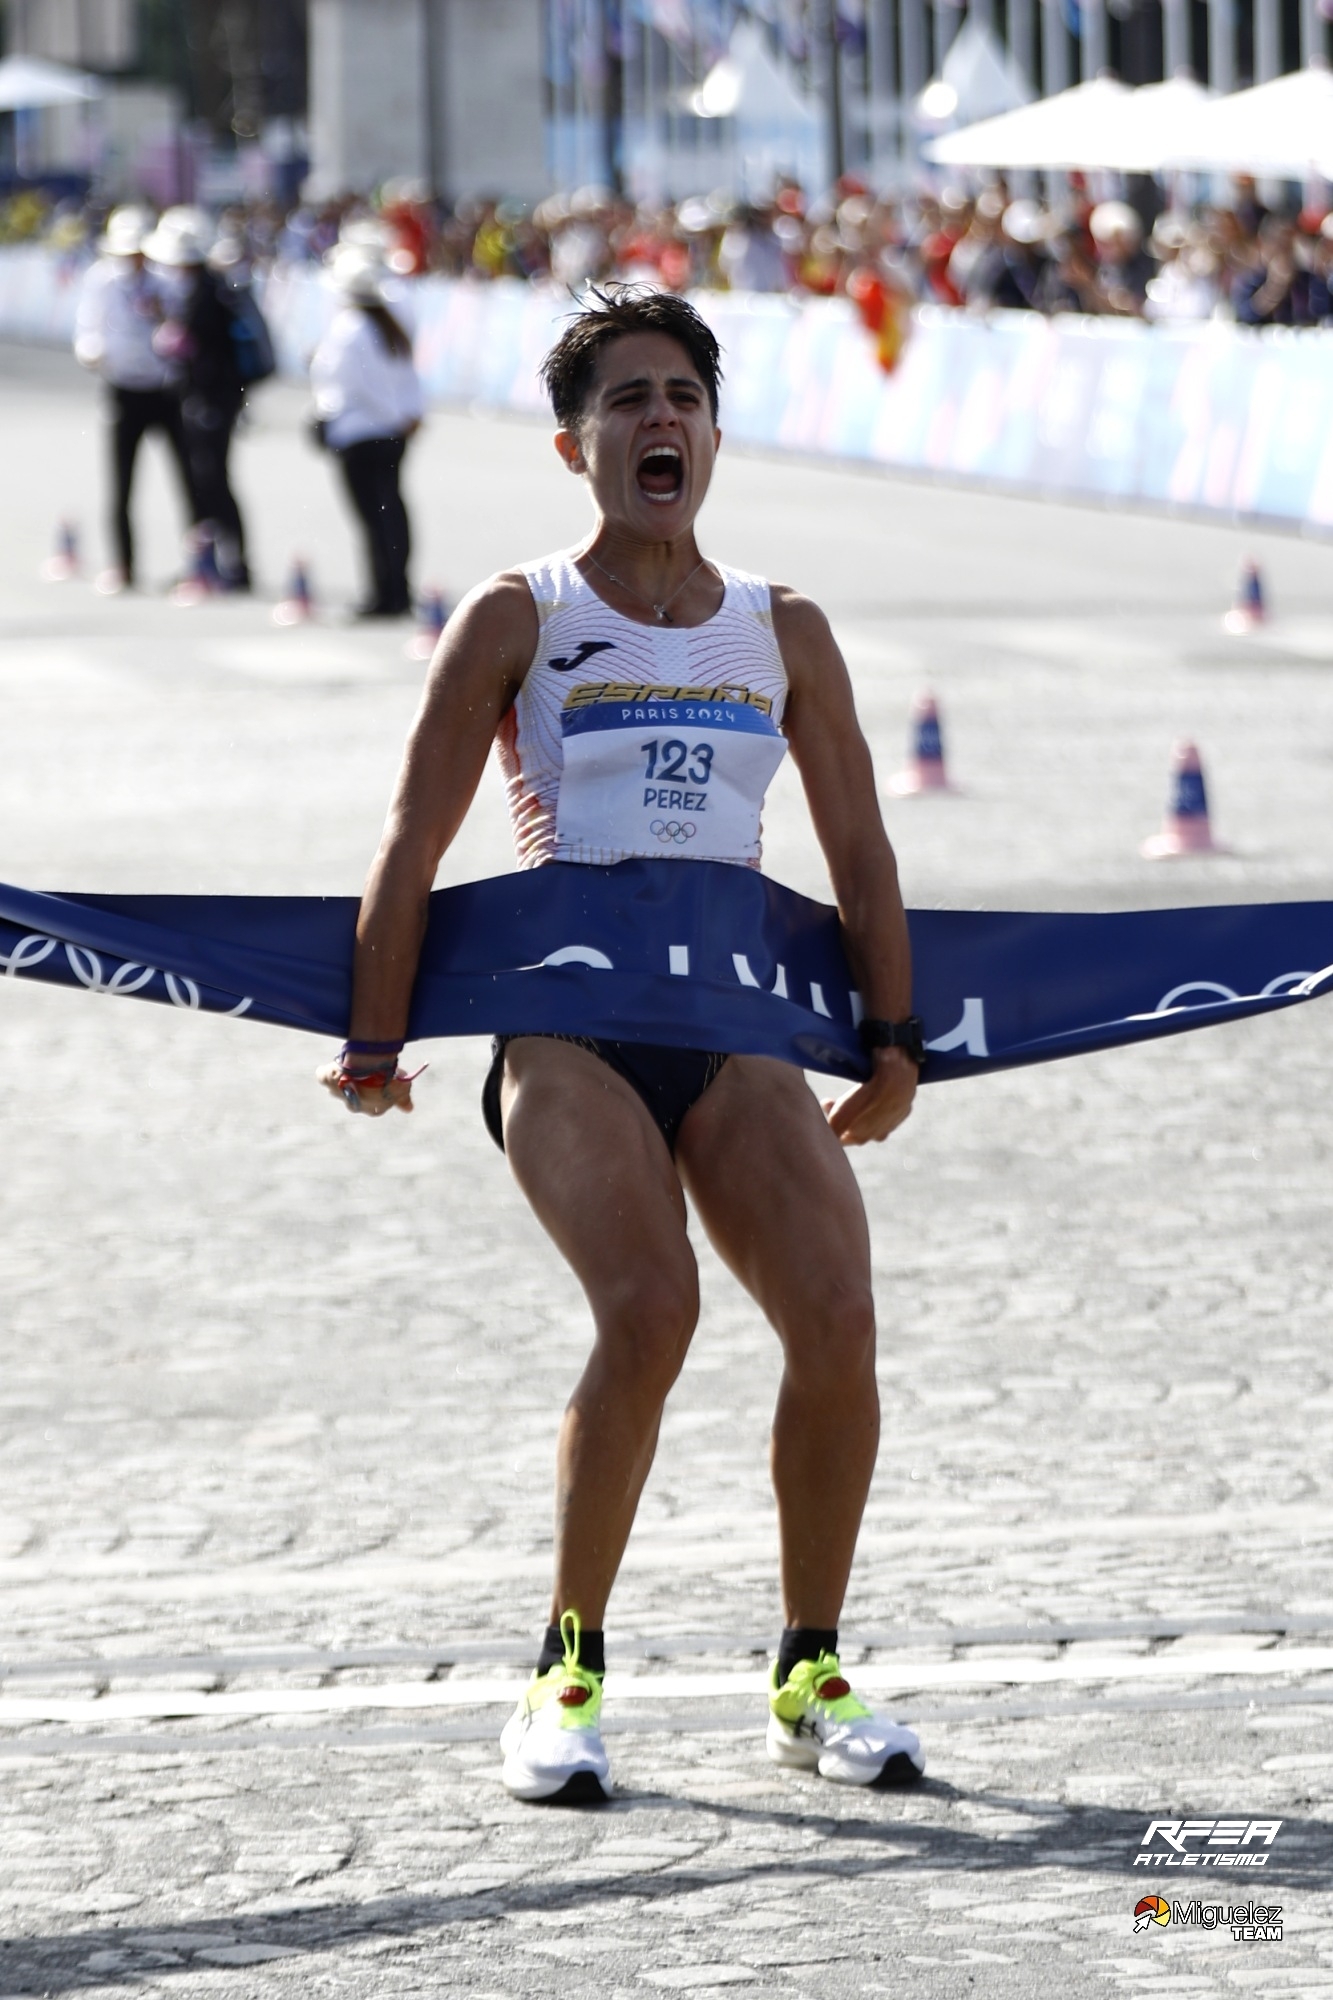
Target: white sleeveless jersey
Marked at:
630, 739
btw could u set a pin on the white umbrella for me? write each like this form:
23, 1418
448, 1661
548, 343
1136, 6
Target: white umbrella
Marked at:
1064, 131
1282, 129
1158, 120
29, 84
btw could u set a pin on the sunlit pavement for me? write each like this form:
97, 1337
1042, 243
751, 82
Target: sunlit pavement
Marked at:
280, 1387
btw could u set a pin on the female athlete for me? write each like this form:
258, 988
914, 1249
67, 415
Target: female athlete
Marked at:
641, 697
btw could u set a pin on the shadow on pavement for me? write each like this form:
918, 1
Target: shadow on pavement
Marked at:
1087, 1841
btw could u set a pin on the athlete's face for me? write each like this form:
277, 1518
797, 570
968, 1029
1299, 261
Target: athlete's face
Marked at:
646, 441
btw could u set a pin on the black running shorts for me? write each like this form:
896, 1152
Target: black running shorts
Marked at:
669, 1081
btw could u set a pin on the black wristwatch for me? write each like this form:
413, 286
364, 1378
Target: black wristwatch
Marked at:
905, 1035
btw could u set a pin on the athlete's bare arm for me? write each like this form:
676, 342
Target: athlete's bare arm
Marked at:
833, 759
478, 668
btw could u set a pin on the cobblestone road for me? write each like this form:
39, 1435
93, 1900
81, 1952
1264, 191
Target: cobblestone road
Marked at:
279, 1388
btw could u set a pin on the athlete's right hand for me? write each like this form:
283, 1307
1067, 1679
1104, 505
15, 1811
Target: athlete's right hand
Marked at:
373, 1099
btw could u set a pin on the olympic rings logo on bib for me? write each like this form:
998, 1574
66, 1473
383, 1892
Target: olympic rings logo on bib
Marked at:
673, 831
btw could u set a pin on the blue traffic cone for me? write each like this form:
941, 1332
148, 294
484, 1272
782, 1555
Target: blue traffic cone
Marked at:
924, 770
203, 579
432, 617
1250, 608
64, 563
1186, 828
299, 604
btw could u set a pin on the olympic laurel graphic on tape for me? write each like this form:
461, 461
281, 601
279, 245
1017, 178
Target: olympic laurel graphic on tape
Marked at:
127, 978
708, 956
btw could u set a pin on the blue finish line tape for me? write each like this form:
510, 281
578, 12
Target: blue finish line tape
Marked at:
691, 954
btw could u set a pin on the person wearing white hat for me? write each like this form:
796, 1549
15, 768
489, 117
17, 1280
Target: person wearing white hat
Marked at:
368, 403
197, 338
1123, 265
120, 309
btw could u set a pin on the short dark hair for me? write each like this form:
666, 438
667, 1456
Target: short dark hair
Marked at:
615, 310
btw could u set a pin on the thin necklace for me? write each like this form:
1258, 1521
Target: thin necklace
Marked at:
660, 609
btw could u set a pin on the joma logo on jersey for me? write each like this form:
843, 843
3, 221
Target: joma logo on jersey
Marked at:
627, 691
581, 656
1244, 1836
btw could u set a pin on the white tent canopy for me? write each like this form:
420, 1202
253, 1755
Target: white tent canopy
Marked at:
772, 127
749, 85
1282, 129
1158, 119
1058, 132
29, 84
978, 79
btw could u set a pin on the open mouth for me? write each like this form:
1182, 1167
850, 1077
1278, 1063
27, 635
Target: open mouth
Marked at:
661, 473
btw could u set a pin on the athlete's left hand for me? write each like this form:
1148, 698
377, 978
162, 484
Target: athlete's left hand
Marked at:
879, 1105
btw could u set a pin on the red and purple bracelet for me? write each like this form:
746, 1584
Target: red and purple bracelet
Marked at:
351, 1082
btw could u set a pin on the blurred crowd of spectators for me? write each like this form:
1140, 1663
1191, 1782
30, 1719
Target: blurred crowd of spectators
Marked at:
970, 251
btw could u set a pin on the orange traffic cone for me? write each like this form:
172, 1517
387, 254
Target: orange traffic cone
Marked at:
1185, 828
298, 605
1249, 608
924, 771
432, 617
64, 563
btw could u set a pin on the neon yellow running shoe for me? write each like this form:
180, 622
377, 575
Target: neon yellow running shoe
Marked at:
816, 1723
552, 1743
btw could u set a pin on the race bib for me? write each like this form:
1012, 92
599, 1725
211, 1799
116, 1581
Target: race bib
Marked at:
666, 771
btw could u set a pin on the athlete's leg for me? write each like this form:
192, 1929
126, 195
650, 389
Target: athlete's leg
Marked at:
776, 1193
598, 1175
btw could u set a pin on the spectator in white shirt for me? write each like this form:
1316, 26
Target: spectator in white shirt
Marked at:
368, 403
1186, 283
750, 254
120, 308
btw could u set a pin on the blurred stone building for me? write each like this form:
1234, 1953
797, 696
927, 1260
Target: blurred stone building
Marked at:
193, 97
133, 124
447, 91
101, 36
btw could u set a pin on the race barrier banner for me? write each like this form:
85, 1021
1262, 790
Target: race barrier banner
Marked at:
39, 293
694, 955
1210, 417
1213, 418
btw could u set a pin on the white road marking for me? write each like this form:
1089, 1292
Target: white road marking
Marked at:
1255, 1627
152, 1704
740, 1719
